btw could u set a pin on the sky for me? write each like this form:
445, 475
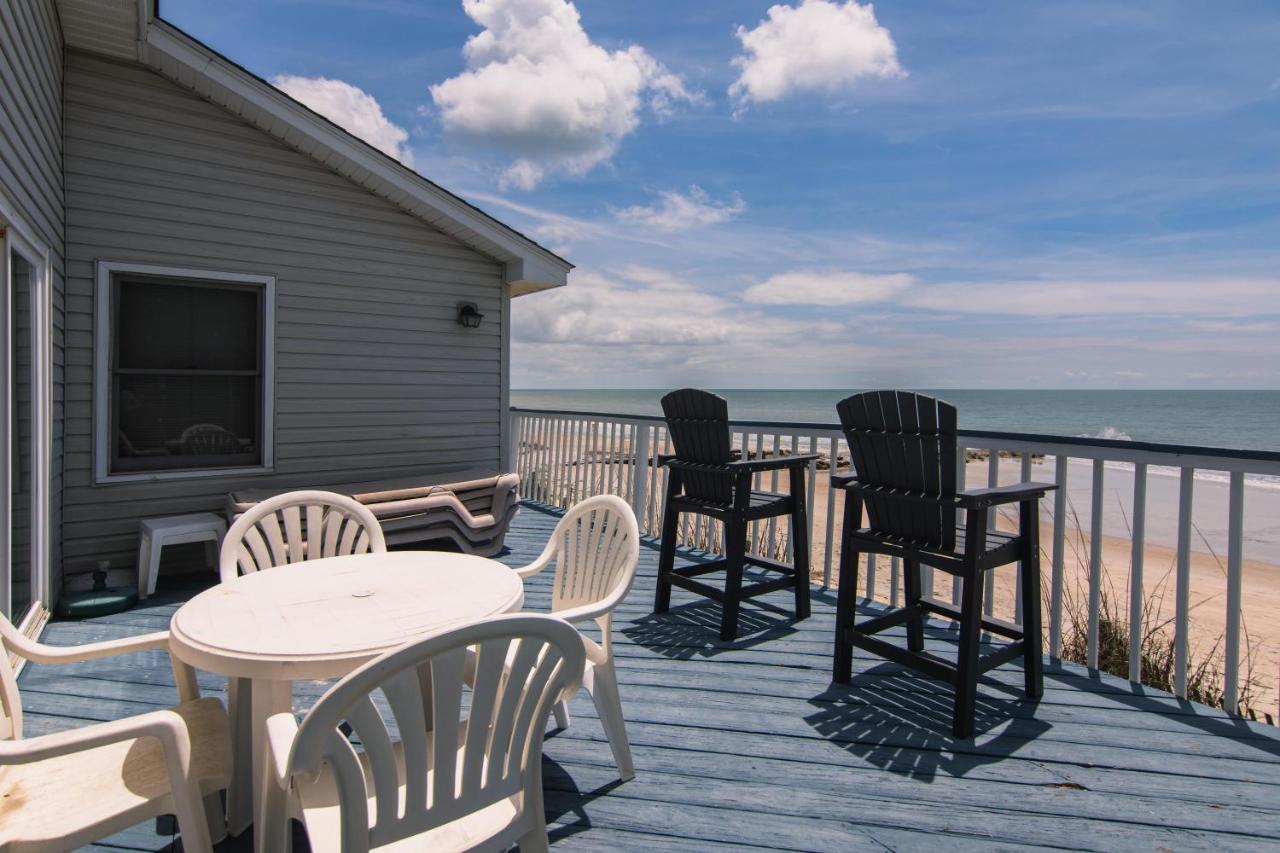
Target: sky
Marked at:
829, 194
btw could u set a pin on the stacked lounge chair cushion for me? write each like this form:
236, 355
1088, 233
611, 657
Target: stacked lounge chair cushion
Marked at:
471, 509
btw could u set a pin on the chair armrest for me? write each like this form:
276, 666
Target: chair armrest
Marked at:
543, 560
839, 481
41, 653
282, 728
774, 463
996, 495
165, 726
169, 730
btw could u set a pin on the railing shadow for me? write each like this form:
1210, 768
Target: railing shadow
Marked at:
1211, 721
692, 630
900, 721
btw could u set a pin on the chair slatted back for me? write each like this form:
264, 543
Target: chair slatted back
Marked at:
597, 548
298, 526
905, 443
698, 422
458, 756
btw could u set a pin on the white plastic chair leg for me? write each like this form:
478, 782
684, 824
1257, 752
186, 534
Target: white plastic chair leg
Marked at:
561, 712
216, 817
602, 683
153, 566
535, 839
145, 581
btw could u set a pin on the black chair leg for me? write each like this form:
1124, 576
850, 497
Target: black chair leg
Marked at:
735, 541
967, 659
1032, 638
915, 626
800, 550
666, 559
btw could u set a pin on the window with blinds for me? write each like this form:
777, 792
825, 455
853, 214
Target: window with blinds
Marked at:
186, 375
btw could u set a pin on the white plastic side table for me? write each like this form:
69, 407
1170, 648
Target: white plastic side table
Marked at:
175, 530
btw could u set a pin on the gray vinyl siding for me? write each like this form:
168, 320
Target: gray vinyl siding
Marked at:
31, 174
374, 378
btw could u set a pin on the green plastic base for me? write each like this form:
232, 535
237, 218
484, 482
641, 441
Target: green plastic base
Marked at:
104, 602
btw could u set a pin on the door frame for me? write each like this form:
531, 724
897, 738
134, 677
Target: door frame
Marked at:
17, 237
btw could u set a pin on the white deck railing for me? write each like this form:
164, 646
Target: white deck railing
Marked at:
564, 456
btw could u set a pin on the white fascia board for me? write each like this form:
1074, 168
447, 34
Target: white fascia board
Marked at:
529, 266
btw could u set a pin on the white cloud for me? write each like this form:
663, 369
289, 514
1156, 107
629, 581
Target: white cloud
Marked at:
676, 211
819, 44
833, 287
352, 109
1198, 297
537, 87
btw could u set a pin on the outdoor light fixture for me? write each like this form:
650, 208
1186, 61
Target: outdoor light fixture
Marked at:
468, 316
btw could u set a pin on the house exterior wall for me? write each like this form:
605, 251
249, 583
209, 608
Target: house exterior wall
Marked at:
373, 377
31, 177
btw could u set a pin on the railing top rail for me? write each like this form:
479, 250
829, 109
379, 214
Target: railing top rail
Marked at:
1060, 443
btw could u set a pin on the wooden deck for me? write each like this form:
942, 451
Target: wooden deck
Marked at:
747, 746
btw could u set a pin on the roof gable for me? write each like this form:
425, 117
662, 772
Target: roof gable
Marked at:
130, 29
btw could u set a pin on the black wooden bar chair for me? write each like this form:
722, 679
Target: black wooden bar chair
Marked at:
903, 447
705, 479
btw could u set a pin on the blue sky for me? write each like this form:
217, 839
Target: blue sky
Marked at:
826, 194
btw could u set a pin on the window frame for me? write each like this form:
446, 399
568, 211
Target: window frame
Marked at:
107, 273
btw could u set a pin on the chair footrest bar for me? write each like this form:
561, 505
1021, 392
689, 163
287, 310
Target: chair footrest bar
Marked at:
771, 565
929, 664
889, 620
697, 586
696, 569
989, 623
752, 590
1002, 655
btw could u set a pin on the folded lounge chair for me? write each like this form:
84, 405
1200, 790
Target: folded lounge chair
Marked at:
471, 509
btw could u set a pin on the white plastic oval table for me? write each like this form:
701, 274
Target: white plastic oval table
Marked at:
321, 619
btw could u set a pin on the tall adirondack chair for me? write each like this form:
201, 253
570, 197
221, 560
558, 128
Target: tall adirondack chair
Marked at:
705, 479
903, 447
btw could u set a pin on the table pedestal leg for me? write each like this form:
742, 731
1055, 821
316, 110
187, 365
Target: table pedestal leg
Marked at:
269, 697
240, 793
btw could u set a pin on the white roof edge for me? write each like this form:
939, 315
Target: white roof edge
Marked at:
529, 267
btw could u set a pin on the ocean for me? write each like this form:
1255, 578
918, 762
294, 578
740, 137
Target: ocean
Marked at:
1240, 420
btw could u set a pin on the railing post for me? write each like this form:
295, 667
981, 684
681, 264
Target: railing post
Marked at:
1235, 557
1060, 464
1095, 562
640, 480
1182, 594
1137, 590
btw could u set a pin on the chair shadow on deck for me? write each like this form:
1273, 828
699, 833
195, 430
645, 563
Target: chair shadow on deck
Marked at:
565, 803
900, 721
692, 630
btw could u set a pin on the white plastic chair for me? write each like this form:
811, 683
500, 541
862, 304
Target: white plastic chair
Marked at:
596, 547
463, 776
64, 790
297, 526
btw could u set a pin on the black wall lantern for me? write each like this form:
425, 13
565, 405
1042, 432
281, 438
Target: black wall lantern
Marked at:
469, 316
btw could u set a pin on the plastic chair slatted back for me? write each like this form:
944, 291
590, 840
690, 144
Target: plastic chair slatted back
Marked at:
298, 526
698, 422
905, 443
597, 546
458, 758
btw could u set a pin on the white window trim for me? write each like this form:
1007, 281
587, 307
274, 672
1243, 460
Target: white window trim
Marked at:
21, 239
102, 360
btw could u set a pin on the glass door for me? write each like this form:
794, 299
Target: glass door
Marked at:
21, 581
24, 431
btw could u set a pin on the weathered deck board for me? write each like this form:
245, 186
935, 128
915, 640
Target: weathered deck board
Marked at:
747, 745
